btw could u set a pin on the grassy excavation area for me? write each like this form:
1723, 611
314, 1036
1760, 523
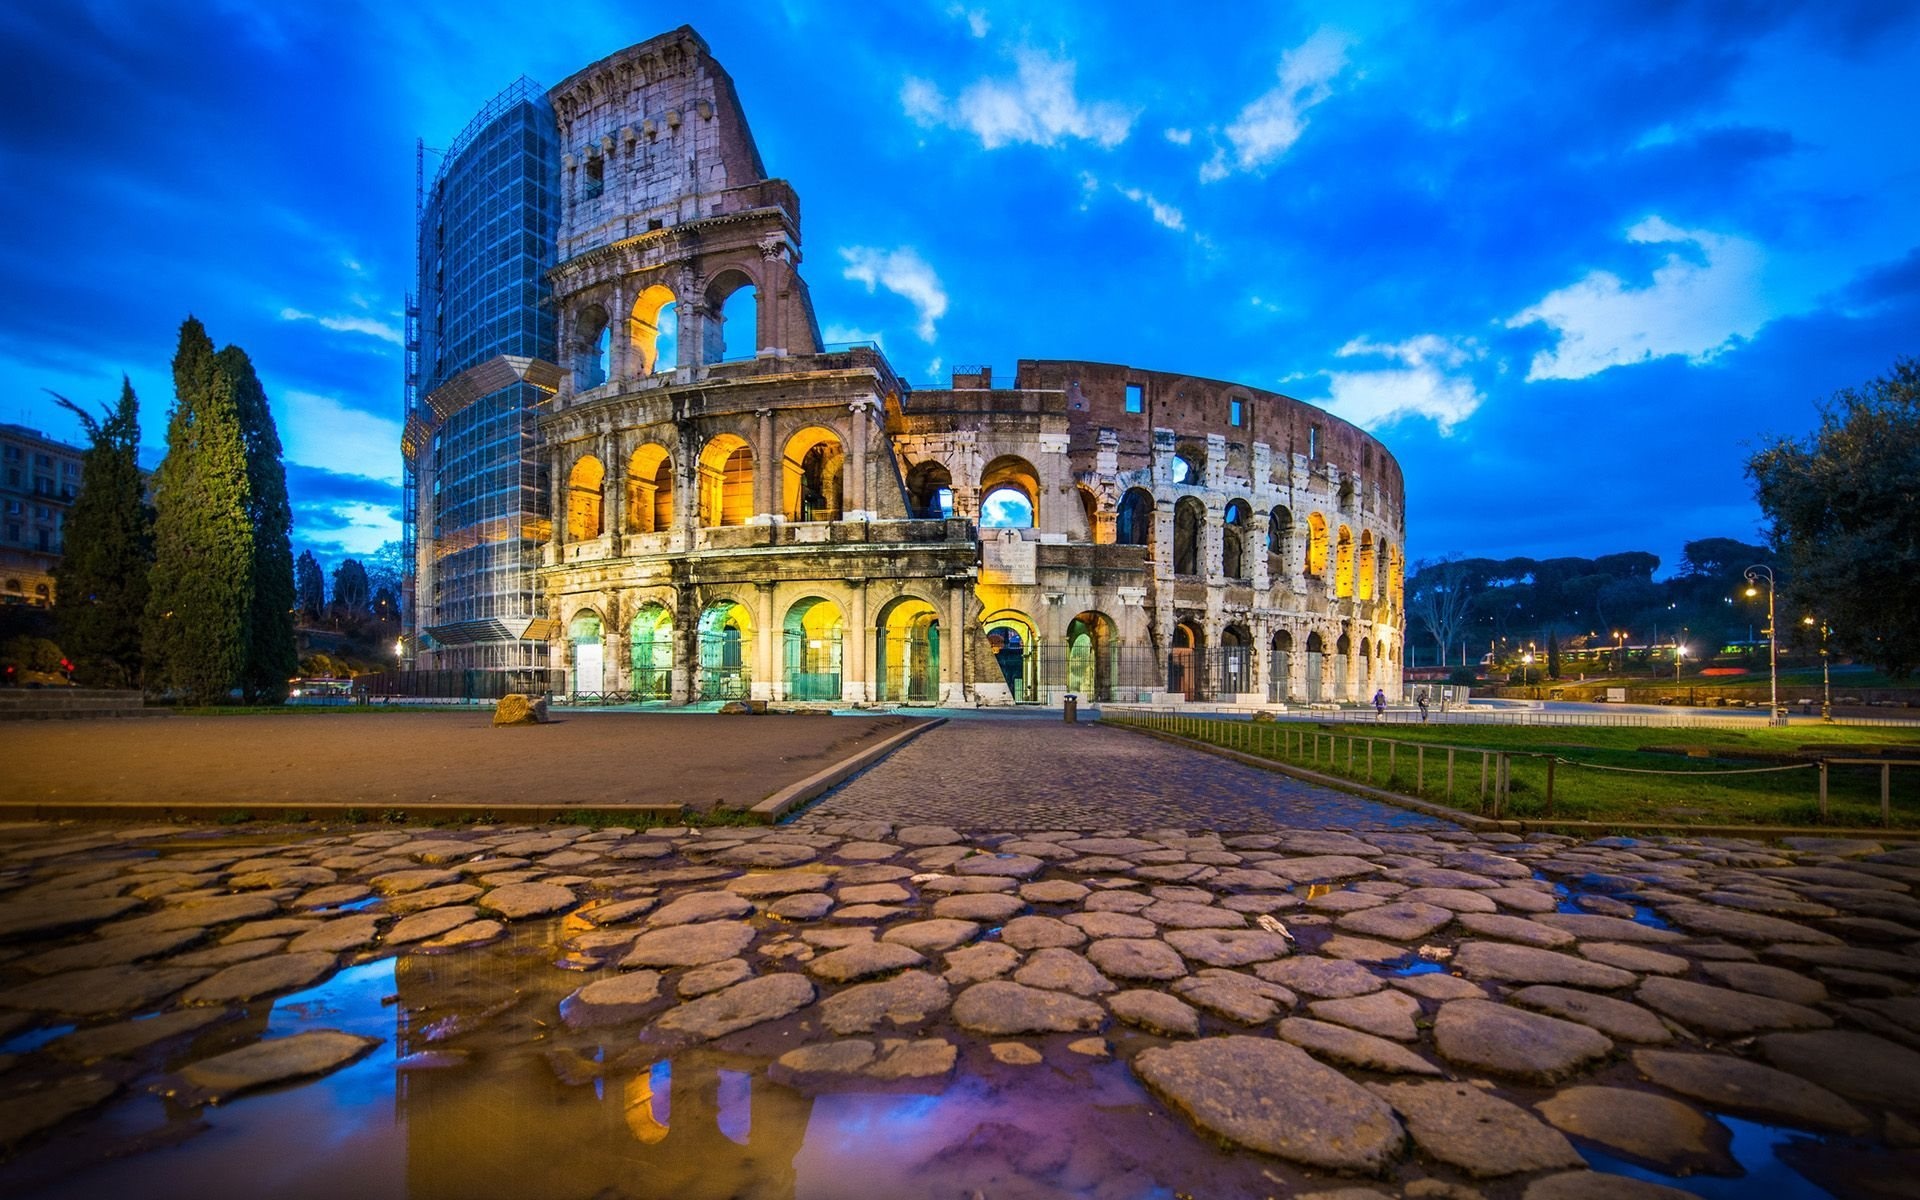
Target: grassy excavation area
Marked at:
1712, 776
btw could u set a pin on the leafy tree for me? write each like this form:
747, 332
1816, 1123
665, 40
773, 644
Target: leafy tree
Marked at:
1844, 505
101, 579
201, 586
271, 654
1440, 595
309, 585
351, 595
1553, 655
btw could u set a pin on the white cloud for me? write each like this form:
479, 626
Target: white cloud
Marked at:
320, 431
975, 18
904, 273
1037, 106
370, 326
350, 529
1163, 214
1268, 126
1179, 137
836, 334
1700, 302
1422, 386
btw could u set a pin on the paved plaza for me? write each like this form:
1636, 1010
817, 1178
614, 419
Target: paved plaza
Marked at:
1045, 993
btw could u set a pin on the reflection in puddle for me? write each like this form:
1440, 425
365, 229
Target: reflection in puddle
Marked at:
33, 1039
1755, 1147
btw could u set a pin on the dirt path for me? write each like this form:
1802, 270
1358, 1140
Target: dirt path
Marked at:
587, 760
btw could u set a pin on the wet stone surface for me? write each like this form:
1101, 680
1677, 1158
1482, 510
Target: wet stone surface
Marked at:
1069, 1008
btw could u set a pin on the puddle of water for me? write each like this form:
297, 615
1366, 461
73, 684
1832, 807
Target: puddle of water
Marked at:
1417, 966
1755, 1147
334, 910
33, 1039
1587, 885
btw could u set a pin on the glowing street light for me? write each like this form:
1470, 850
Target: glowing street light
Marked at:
1826, 680
1754, 575
1679, 652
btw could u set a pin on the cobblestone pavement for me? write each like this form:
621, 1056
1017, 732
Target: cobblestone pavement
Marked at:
1034, 773
863, 1009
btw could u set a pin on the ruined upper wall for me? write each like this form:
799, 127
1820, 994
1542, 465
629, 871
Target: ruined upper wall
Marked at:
651, 137
1195, 407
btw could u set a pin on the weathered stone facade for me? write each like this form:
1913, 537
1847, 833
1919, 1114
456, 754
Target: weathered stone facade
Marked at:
768, 518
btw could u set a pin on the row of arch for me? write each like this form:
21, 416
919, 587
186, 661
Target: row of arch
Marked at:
813, 466
652, 338
1325, 678
1357, 566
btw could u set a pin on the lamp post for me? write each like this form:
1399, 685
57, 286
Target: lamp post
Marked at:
1679, 652
1526, 669
1753, 575
1620, 649
1826, 680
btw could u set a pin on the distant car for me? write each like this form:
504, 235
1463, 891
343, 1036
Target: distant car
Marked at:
321, 688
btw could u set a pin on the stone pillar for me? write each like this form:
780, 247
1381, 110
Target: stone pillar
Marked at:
620, 364
767, 468
1255, 551
854, 506
1213, 544
613, 507
557, 502
767, 682
953, 642
1056, 485
686, 646
856, 671
686, 500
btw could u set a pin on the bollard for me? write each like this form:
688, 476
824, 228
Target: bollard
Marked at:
1070, 709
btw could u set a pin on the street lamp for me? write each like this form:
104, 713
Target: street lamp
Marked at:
1679, 652
1754, 575
1526, 669
1826, 680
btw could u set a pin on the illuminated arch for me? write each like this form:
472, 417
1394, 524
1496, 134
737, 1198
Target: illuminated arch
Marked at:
1368, 565
649, 490
813, 630
726, 294
1316, 545
810, 475
655, 329
1343, 563
1233, 540
650, 649
930, 490
908, 632
1133, 525
725, 635
1010, 474
586, 499
726, 481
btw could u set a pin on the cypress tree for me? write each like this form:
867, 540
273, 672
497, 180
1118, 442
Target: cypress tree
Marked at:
201, 586
1553, 655
271, 654
101, 579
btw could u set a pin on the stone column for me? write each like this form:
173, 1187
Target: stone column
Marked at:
767, 467
686, 646
686, 500
557, 501
613, 508
854, 506
1213, 544
953, 641
1255, 551
856, 674
620, 332
767, 682
1056, 485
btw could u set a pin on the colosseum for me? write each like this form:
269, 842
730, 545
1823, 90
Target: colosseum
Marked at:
739, 511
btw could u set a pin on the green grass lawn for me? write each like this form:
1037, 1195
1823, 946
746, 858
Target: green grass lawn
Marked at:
1693, 793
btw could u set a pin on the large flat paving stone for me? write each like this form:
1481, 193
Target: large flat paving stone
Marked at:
1270, 1096
1737, 1085
1000, 1007
1481, 1134
1723, 1012
1656, 1130
1484, 1036
1859, 1066
30, 1111
908, 1000
689, 945
1616, 1018
102, 990
1353, 1048
742, 1006
1506, 962
261, 977
264, 1063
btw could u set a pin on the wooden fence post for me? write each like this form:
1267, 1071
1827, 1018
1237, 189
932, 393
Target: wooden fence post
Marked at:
1823, 789
1886, 795
1449, 774
1551, 760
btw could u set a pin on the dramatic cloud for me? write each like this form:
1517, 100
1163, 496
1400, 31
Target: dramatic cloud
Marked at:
371, 326
1422, 386
1037, 106
1698, 305
1274, 121
320, 431
904, 273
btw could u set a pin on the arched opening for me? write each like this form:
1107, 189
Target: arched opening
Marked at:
656, 330
650, 646
1010, 494
1133, 525
586, 498
1343, 563
588, 662
726, 481
1236, 661
1189, 522
592, 349
1365, 583
1233, 540
810, 475
909, 651
813, 629
930, 490
1011, 641
1280, 674
1279, 543
1092, 656
1189, 466
1366, 670
726, 630
649, 490
1316, 546
1316, 668
1183, 661
1090, 509
1342, 662
732, 300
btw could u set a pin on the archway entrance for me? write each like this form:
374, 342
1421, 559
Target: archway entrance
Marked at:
725, 631
1091, 653
650, 644
1342, 660
588, 663
1281, 666
813, 629
1316, 667
1010, 639
909, 651
1183, 661
1236, 662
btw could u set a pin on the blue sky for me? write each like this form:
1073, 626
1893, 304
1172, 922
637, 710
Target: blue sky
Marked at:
1570, 263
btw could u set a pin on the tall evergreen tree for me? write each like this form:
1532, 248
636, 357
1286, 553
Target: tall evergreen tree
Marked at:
201, 585
271, 654
101, 580
352, 594
1553, 655
309, 585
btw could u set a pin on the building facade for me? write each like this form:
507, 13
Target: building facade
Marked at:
738, 511
39, 479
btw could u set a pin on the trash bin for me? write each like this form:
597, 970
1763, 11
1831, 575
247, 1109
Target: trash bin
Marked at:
1070, 709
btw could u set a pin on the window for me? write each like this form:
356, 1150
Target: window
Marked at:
1313, 441
13, 454
43, 460
1237, 413
1136, 398
596, 178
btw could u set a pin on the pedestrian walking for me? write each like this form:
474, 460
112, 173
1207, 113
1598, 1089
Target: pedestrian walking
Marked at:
1380, 703
1420, 698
